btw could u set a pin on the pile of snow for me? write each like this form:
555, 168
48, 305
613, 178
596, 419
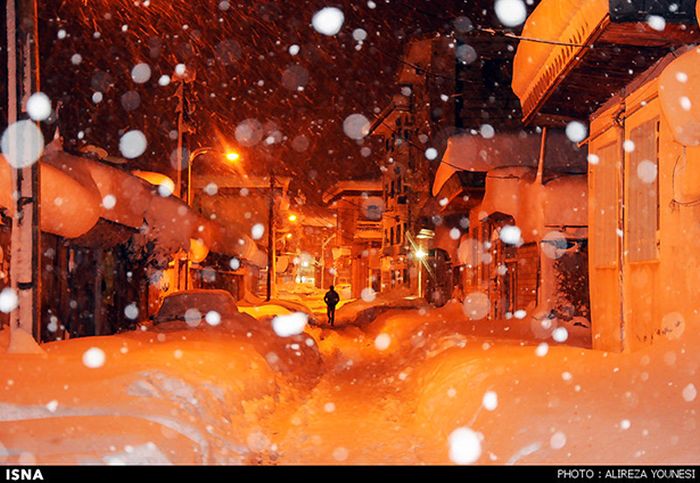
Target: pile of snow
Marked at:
365, 310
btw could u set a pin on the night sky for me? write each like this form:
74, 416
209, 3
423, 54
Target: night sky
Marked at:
240, 53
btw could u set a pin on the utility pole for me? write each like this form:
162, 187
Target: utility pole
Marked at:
271, 237
323, 258
22, 81
182, 156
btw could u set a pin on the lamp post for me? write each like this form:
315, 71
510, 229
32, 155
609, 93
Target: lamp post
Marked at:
186, 194
271, 260
420, 255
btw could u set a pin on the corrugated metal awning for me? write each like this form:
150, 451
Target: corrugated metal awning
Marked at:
574, 54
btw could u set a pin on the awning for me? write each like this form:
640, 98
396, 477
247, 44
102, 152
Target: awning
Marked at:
536, 208
537, 65
70, 202
575, 53
475, 153
130, 194
679, 94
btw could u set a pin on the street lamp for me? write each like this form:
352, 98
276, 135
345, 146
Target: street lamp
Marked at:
420, 255
186, 193
231, 156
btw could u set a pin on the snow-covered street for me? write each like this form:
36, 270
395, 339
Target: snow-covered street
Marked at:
392, 390
301, 232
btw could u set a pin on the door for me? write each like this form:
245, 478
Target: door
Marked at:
605, 233
642, 223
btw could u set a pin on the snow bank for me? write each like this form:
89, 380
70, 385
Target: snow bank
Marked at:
360, 312
398, 402
174, 394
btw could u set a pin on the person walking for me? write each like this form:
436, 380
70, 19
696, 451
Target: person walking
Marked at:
331, 299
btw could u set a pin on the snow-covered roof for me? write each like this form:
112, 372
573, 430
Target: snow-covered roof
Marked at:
466, 152
123, 197
70, 200
353, 187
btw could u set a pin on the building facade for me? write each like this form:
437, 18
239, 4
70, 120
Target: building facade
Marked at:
413, 128
642, 185
355, 249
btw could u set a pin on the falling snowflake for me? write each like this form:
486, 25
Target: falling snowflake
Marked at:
558, 440
257, 231
213, 318
28, 144
576, 131
647, 171
8, 300
109, 202
542, 349
193, 317
465, 446
368, 294
39, 106
52, 406
476, 305
132, 144
490, 400
141, 73
431, 153
656, 22
690, 393
510, 13
356, 126
131, 311
510, 234
487, 131
94, 358
560, 334
290, 324
382, 342
328, 21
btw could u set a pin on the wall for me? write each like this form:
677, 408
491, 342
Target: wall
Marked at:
657, 295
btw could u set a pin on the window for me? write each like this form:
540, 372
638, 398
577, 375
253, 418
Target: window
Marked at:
643, 221
604, 204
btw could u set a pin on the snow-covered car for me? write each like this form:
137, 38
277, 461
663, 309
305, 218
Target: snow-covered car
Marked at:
193, 305
344, 290
213, 316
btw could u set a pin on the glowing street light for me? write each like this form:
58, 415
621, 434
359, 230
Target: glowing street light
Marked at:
232, 156
420, 255
292, 217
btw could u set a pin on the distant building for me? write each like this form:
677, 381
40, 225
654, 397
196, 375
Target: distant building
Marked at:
307, 246
414, 127
355, 249
239, 205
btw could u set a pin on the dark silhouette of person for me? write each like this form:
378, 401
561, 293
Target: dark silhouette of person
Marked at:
331, 299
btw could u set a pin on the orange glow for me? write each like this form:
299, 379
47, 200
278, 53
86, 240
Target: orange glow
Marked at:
293, 218
233, 156
289, 235
198, 250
